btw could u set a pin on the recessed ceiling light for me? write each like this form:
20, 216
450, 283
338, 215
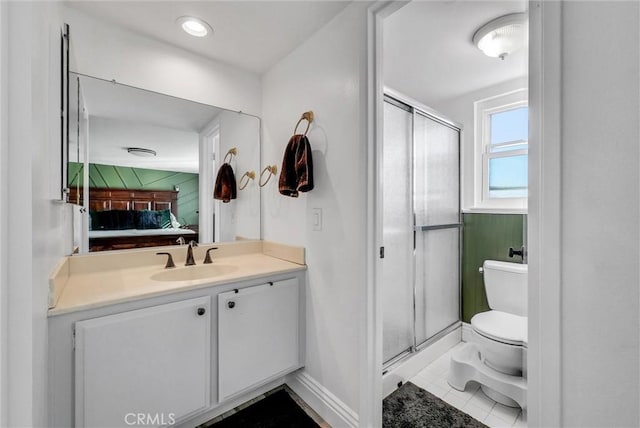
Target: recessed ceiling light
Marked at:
194, 26
139, 151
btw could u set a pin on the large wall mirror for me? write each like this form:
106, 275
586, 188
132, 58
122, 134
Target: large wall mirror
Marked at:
142, 167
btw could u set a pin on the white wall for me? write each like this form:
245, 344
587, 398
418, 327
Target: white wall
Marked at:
461, 110
600, 212
326, 74
38, 229
109, 52
4, 182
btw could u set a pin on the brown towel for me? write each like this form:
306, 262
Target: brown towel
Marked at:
225, 188
297, 167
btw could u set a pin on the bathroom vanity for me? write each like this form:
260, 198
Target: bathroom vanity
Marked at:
131, 341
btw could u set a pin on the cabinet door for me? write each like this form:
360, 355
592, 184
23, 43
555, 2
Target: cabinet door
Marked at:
153, 362
258, 335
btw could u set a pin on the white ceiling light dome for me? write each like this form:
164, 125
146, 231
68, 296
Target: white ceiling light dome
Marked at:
502, 36
194, 26
140, 151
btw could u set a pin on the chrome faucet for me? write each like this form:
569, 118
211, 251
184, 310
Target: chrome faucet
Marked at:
190, 260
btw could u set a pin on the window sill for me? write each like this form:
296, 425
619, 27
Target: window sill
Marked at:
489, 210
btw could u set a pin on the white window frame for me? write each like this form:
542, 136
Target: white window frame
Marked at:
483, 109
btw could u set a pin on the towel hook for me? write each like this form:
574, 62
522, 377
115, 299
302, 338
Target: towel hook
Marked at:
308, 116
232, 151
249, 175
273, 170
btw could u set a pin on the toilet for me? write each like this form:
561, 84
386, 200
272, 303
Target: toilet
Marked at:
495, 355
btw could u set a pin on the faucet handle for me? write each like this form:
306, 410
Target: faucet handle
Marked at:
180, 240
170, 263
193, 243
207, 258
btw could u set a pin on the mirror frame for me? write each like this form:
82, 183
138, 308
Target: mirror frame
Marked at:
64, 112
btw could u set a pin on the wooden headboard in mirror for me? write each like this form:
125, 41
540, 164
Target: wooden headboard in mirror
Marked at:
101, 199
132, 201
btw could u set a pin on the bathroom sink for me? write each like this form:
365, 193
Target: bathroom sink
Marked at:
191, 273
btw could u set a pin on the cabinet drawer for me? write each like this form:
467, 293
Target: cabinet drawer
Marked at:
258, 335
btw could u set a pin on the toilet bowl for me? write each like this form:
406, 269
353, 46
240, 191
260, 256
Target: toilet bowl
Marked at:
501, 338
498, 337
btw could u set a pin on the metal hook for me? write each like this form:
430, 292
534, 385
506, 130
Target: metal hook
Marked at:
308, 116
250, 175
232, 151
273, 170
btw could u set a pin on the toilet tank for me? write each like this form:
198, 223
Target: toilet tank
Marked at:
506, 286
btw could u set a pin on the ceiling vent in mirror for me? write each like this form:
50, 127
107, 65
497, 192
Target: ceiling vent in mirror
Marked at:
194, 26
139, 151
502, 36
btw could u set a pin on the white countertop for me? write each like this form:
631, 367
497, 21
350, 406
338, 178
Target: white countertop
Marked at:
87, 290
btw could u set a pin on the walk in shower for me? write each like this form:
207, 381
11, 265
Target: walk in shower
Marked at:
421, 228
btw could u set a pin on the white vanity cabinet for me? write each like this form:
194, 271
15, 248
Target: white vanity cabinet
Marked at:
258, 335
180, 358
151, 363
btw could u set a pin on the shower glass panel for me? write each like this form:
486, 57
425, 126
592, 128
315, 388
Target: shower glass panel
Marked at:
436, 157
437, 205
437, 281
397, 268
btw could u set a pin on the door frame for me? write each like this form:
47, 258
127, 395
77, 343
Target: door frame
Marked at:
544, 363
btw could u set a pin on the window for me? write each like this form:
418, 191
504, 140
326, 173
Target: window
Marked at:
502, 151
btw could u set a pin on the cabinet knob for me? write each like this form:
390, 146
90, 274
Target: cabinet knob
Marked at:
201, 311
231, 304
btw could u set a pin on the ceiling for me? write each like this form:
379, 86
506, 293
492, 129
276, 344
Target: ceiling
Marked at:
251, 35
122, 116
429, 55
116, 101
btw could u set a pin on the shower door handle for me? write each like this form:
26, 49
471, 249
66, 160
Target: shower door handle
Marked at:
414, 232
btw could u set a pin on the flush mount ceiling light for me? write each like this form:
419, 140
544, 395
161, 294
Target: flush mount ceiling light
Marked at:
502, 36
139, 151
194, 26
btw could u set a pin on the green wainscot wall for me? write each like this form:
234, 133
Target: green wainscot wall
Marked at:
486, 237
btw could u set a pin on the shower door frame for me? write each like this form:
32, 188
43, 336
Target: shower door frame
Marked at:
416, 108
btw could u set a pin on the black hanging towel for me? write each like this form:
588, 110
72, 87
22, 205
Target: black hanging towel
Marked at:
297, 163
297, 167
225, 188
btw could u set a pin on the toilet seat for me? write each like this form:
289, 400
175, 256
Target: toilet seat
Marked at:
501, 327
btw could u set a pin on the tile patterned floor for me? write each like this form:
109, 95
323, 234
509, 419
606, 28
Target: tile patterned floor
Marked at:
472, 401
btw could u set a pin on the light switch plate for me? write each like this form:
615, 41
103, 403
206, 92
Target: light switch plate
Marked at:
316, 219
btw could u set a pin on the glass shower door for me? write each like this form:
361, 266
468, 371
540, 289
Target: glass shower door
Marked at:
397, 264
436, 152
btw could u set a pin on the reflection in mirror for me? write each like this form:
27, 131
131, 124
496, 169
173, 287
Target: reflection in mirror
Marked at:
148, 163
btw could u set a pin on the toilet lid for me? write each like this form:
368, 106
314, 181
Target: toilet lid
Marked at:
501, 326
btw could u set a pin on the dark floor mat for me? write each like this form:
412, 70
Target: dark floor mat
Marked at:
413, 407
277, 410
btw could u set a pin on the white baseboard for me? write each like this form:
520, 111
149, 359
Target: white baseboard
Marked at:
466, 332
335, 412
